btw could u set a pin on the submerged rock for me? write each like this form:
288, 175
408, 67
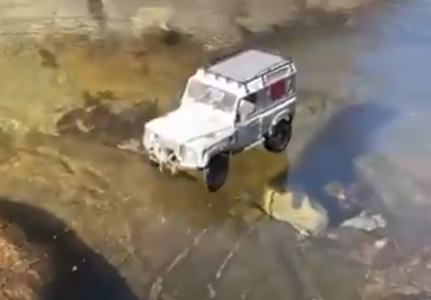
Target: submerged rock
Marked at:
365, 221
295, 207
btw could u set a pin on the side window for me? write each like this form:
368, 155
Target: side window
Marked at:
277, 90
252, 98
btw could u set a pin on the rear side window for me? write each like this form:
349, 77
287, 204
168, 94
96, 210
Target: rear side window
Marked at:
277, 90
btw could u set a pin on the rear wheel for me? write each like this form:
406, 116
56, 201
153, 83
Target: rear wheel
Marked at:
277, 140
215, 173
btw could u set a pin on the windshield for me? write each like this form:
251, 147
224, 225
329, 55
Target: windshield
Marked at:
203, 93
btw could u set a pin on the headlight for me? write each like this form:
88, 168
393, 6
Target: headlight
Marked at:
149, 137
152, 137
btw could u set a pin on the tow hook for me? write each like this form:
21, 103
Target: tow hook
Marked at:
169, 165
166, 161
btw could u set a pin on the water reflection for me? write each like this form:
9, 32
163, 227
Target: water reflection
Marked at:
399, 63
330, 155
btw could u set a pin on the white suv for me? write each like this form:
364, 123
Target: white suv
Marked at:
237, 103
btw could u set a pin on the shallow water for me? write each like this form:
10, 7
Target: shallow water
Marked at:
378, 65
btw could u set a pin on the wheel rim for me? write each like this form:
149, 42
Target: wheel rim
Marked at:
282, 135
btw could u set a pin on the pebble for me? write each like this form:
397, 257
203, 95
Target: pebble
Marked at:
380, 244
212, 293
62, 78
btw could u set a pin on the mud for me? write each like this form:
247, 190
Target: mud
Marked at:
69, 70
96, 120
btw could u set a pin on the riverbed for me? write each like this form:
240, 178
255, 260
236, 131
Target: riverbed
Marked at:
364, 117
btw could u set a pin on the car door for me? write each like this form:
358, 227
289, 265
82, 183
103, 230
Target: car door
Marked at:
248, 129
274, 96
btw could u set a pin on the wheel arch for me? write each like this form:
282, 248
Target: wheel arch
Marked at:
286, 114
211, 151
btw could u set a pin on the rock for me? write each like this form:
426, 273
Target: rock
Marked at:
296, 208
365, 222
258, 17
402, 192
147, 18
130, 145
335, 6
380, 244
62, 78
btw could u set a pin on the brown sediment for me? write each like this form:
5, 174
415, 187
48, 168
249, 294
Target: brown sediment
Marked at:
41, 258
121, 71
20, 265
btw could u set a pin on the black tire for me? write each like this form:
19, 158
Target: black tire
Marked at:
278, 140
216, 172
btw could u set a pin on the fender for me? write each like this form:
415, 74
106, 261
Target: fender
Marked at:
287, 114
210, 151
205, 158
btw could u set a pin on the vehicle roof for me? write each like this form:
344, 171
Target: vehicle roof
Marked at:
246, 64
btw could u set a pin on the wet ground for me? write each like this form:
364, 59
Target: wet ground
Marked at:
364, 94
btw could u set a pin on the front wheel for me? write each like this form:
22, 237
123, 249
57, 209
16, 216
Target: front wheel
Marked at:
279, 138
215, 173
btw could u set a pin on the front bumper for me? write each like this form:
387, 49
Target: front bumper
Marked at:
173, 159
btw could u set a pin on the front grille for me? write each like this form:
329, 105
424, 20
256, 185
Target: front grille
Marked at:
169, 145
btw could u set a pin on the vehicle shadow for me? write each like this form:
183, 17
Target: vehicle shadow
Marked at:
77, 271
330, 155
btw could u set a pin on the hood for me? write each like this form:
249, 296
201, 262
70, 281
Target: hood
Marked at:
190, 123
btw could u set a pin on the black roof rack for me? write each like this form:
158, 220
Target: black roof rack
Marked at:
263, 72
